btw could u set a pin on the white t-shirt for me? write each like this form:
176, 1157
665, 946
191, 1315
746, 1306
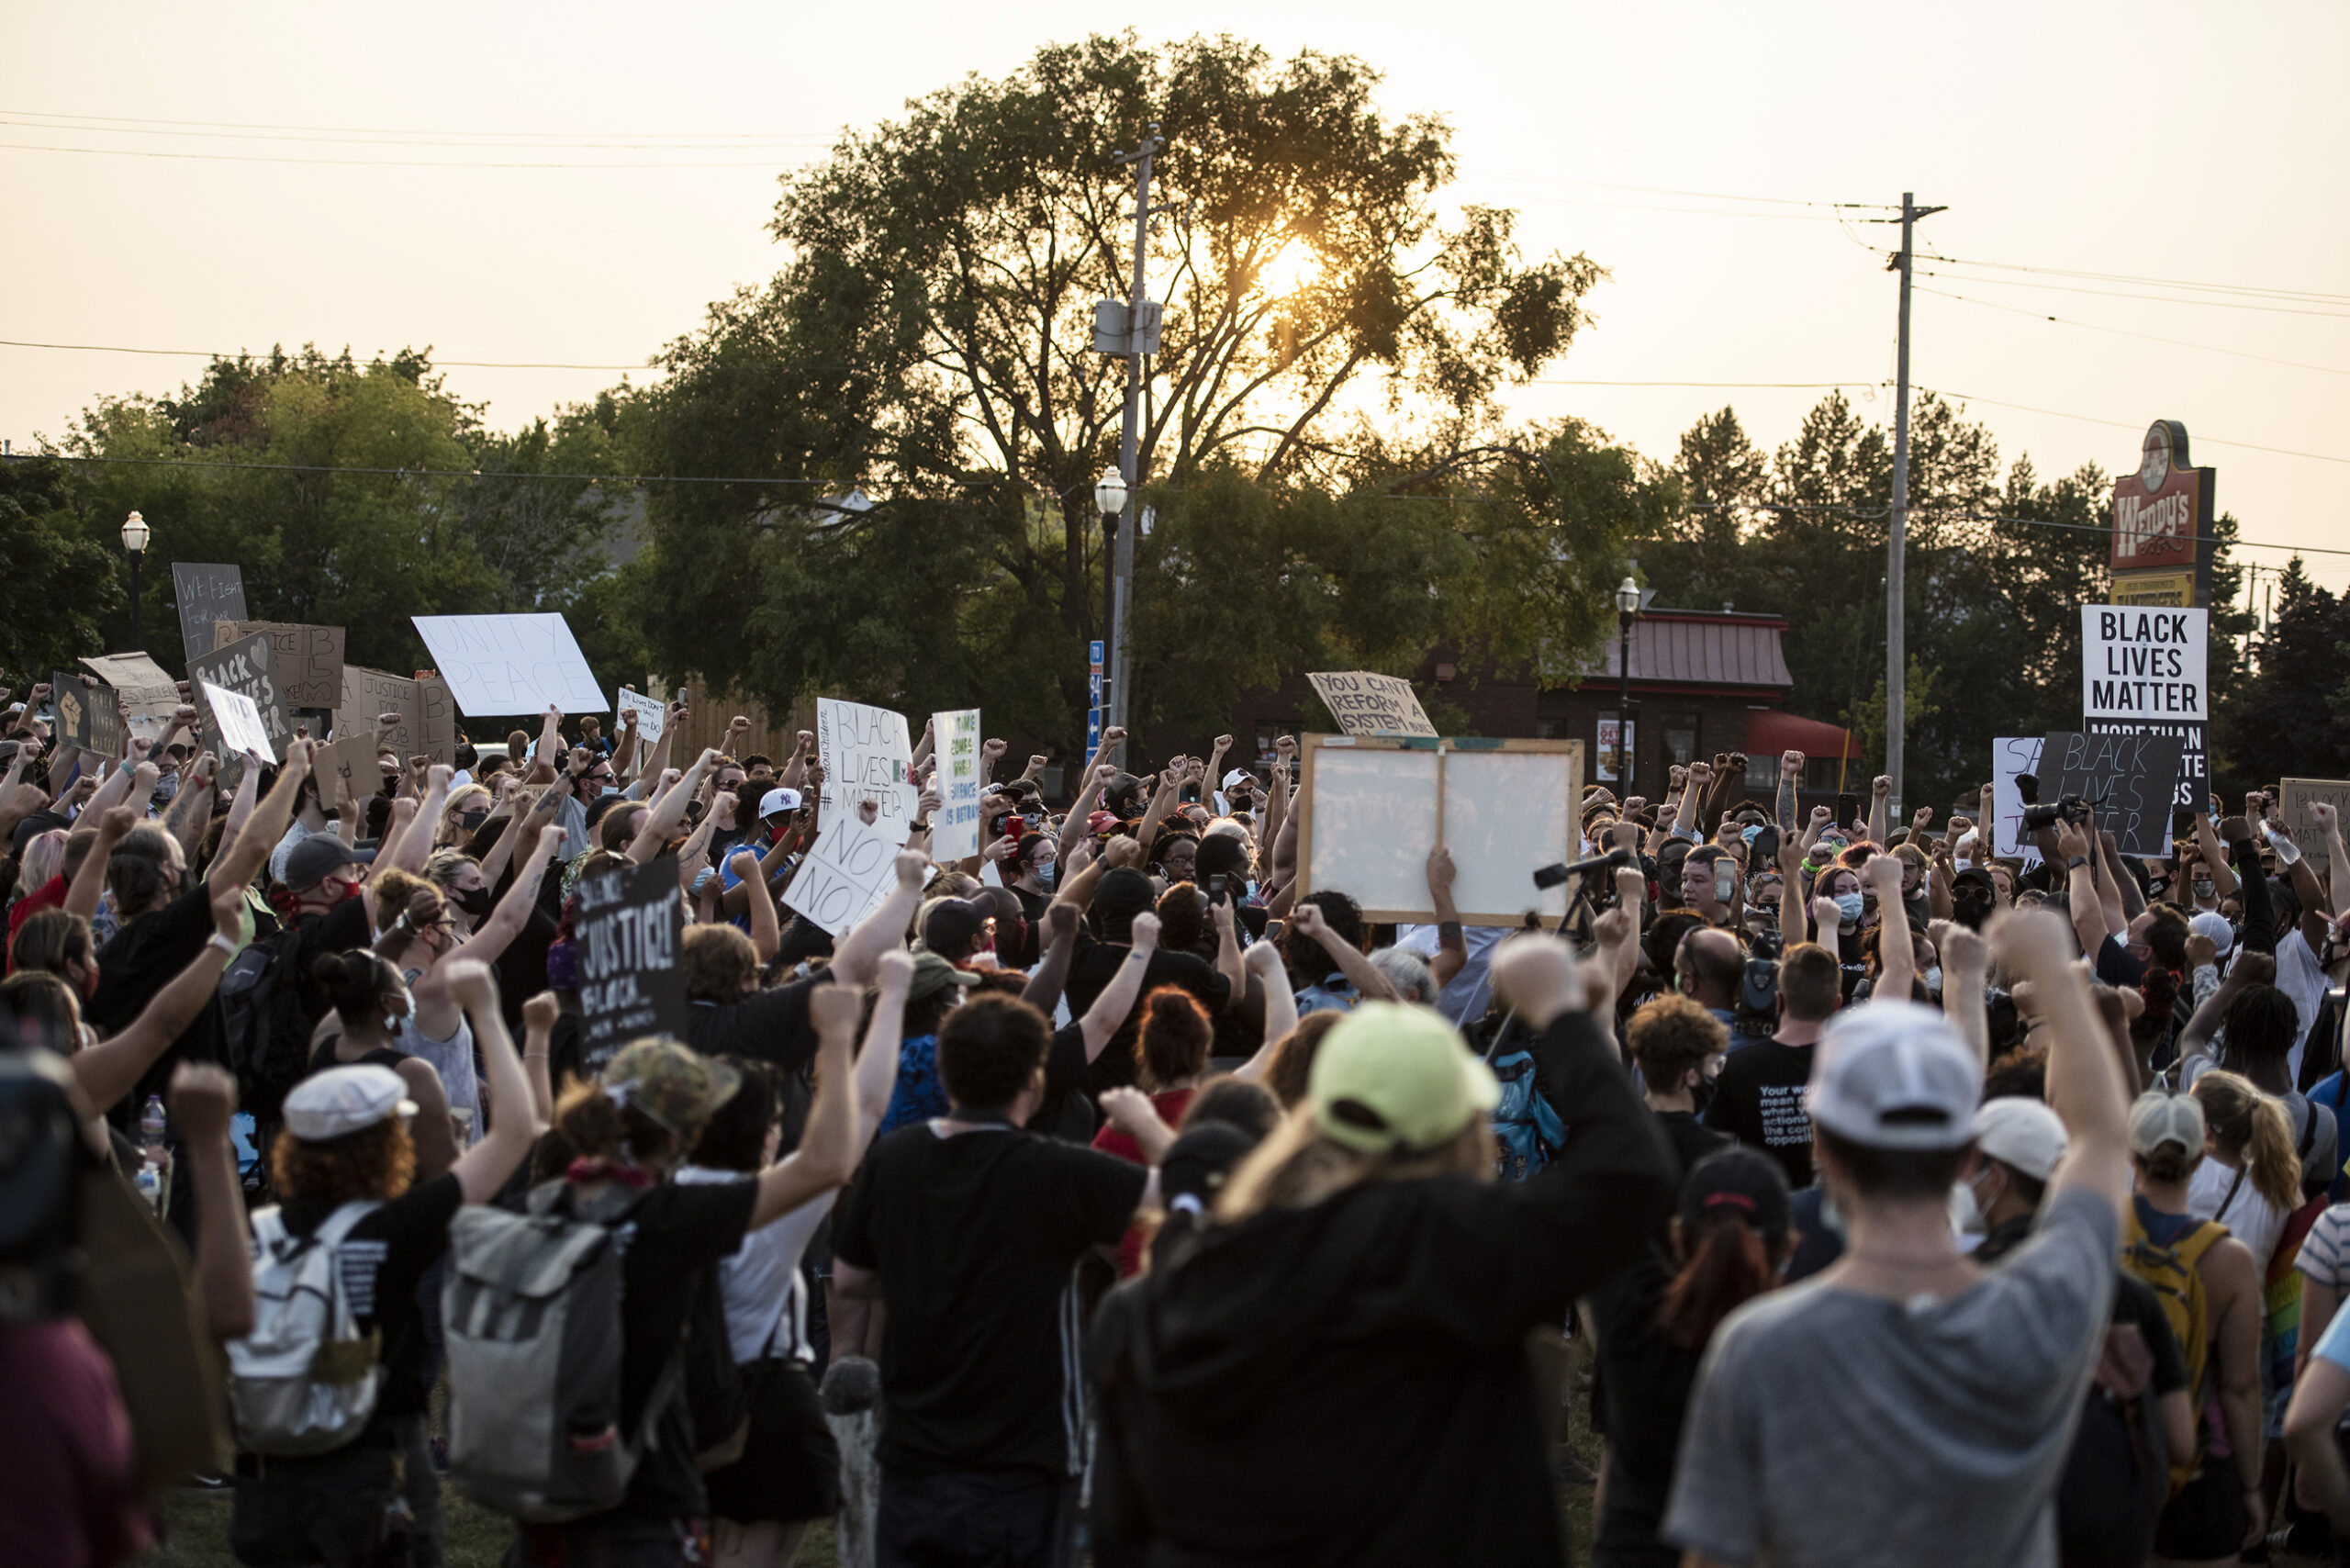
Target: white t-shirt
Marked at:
2298, 977
766, 1312
2249, 1219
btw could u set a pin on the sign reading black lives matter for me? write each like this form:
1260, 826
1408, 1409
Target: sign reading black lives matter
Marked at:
2144, 672
627, 937
2129, 779
247, 667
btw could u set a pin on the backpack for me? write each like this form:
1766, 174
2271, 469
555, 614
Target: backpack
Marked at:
531, 1319
2111, 1493
2172, 1274
265, 1023
1525, 1126
303, 1381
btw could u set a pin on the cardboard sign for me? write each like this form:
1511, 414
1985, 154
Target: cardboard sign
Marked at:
867, 755
499, 665
204, 594
2130, 779
436, 709
245, 666
2293, 805
308, 659
346, 772
650, 713
1368, 704
2194, 760
849, 870
427, 713
2012, 754
2138, 663
87, 716
239, 722
146, 695
955, 826
629, 934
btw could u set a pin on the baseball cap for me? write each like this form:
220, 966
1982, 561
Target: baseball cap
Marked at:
671, 1082
2158, 1118
777, 802
950, 925
345, 1100
1741, 1177
1121, 893
1390, 1076
2215, 926
2021, 1133
311, 861
1237, 775
1102, 823
1895, 1075
933, 974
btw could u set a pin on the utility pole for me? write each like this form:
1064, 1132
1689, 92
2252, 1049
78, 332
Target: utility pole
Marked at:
1897, 655
1141, 337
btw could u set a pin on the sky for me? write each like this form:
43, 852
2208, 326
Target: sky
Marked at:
2153, 175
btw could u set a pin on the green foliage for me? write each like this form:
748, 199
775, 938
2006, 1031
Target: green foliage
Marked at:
61, 588
2291, 719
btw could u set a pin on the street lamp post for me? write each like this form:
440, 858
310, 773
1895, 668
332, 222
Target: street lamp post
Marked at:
134, 539
1627, 604
1110, 500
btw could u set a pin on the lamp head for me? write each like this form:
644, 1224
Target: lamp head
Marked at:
134, 533
1628, 596
1110, 493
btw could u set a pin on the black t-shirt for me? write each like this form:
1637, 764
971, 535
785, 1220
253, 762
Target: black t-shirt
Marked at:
975, 1237
1759, 1101
1065, 1110
1691, 1139
143, 959
2117, 966
380, 1262
1644, 1379
765, 1026
2134, 1302
1096, 965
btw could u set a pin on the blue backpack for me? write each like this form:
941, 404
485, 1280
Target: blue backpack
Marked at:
1527, 1130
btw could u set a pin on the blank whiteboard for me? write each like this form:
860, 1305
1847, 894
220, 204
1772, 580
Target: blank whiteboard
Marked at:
1507, 812
1376, 821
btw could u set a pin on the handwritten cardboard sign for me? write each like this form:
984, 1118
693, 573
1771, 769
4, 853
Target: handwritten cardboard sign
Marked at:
147, 696
427, 713
2130, 779
87, 716
955, 826
866, 756
2293, 805
247, 667
1369, 704
848, 872
650, 713
205, 593
503, 665
2012, 756
629, 934
346, 772
308, 659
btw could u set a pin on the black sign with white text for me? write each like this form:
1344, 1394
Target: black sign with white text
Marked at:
627, 938
2131, 779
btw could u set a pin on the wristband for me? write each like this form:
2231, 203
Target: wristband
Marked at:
1449, 931
2077, 862
223, 943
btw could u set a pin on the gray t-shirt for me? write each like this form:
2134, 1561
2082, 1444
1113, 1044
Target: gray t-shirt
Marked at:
1828, 1426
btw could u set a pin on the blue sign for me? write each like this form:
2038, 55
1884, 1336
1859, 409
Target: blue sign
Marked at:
1094, 683
1096, 655
1093, 728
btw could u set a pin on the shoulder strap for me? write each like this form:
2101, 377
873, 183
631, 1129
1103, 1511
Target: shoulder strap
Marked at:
345, 1219
2191, 1247
2233, 1187
268, 1227
2308, 1130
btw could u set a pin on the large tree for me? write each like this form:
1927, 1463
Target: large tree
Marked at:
930, 340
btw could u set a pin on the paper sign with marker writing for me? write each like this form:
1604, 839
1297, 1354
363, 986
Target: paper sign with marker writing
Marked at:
628, 932
146, 695
867, 755
308, 659
850, 869
1368, 704
650, 711
2012, 754
205, 593
501, 665
2293, 805
238, 721
955, 826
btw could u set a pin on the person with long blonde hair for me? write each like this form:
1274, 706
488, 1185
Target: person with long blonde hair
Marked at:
2250, 1179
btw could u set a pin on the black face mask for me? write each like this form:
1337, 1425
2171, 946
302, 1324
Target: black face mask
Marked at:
473, 902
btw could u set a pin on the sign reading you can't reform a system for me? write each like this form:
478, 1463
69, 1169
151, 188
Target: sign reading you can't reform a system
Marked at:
2141, 662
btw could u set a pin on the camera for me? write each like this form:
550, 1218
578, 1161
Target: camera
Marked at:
2071, 809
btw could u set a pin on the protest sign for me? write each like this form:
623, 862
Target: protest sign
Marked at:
650, 714
146, 696
436, 708
867, 755
369, 693
243, 666
2194, 762
2012, 756
501, 665
239, 722
2129, 779
2138, 663
627, 936
346, 772
849, 870
955, 826
306, 660
1368, 704
2293, 806
205, 593
87, 716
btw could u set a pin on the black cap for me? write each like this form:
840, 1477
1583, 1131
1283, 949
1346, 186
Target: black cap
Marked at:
1740, 1177
317, 857
1201, 1158
952, 926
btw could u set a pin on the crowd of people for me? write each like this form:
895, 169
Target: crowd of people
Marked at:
1882, 1197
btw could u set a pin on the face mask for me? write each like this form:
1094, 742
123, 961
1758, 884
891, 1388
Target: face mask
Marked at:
168, 787
473, 902
1849, 906
1046, 872
608, 791
1934, 979
1969, 1216
2202, 887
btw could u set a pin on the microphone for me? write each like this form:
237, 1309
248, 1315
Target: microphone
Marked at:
1552, 876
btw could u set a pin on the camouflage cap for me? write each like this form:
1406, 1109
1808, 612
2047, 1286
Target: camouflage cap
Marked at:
671, 1082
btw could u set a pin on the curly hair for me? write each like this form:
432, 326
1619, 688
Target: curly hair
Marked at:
1671, 1035
1171, 1046
378, 1162
1293, 1064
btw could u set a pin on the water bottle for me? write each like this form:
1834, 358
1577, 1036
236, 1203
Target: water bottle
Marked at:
151, 1127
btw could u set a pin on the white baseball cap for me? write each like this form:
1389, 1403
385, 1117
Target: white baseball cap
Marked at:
778, 800
2207, 924
1237, 775
345, 1099
1895, 1075
2021, 1133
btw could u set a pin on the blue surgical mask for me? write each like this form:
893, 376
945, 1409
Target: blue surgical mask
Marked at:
610, 790
1934, 979
1849, 906
1046, 872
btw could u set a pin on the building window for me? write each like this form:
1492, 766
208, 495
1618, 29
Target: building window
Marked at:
1679, 738
1549, 729
1267, 729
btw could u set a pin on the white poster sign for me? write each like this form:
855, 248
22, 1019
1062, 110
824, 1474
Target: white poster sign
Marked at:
650, 713
867, 755
2012, 754
240, 725
848, 871
2140, 662
955, 826
502, 665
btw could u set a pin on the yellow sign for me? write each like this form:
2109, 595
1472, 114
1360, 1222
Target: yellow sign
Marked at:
2174, 590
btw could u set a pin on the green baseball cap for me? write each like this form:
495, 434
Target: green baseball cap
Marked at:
1391, 1076
671, 1082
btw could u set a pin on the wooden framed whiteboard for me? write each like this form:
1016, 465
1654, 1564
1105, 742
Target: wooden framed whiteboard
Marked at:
1370, 811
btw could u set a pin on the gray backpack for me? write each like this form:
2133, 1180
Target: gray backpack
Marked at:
303, 1381
531, 1319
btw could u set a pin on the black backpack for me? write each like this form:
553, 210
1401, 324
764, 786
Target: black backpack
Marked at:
265, 1026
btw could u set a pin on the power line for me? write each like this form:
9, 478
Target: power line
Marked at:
2124, 332
2128, 425
2151, 298
2248, 288
214, 354
355, 163
1796, 386
410, 131
429, 138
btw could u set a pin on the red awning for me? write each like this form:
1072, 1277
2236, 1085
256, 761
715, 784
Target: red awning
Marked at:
1768, 729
